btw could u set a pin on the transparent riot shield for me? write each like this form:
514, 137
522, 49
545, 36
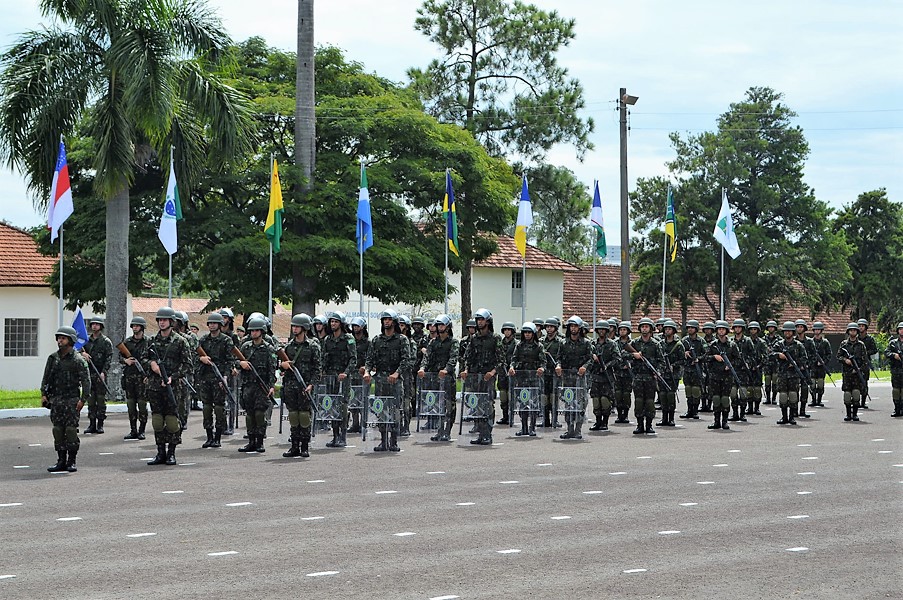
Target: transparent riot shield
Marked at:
431, 401
383, 405
524, 394
573, 393
329, 400
477, 398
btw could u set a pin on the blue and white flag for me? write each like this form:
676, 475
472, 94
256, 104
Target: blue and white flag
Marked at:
78, 324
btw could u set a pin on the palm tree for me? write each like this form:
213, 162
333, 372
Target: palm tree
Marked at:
305, 143
136, 75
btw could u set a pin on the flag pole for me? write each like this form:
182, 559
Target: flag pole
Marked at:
360, 249
523, 278
446, 249
270, 297
61, 278
664, 270
595, 262
170, 281
722, 283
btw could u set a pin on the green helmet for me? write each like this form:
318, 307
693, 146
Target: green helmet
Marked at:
539, 322
320, 319
739, 323
661, 321
405, 320
801, 323
693, 323
337, 315
670, 323
613, 322
302, 320
899, 326
418, 319
443, 319
720, 323
788, 326
818, 326
215, 317
646, 321
95, 319
256, 323
625, 325
771, 324
166, 312
472, 323
853, 326
863, 322
68, 332
227, 312
603, 324
753, 325
136, 320
182, 316
708, 325
508, 325
553, 321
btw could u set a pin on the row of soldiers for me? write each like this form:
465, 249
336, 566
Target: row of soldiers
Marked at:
719, 372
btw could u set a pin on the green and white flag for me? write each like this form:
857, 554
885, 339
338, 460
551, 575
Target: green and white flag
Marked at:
172, 213
724, 228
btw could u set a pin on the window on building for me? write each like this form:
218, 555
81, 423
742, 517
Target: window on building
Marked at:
517, 288
20, 337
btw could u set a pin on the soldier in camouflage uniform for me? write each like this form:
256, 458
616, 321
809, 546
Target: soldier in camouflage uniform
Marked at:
339, 358
823, 354
740, 391
409, 401
469, 332
788, 380
186, 394
167, 351
756, 364
218, 347
721, 381
508, 342
551, 344
388, 357
98, 351
256, 397
695, 351
575, 354
527, 355
361, 345
441, 357
871, 348
133, 379
234, 380
708, 337
624, 378
320, 331
673, 352
852, 353
771, 388
806, 366
644, 381
304, 352
607, 360
65, 386
484, 356
894, 355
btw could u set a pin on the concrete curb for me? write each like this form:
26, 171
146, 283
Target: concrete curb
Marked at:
23, 413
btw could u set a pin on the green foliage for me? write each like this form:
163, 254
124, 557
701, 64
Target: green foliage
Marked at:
873, 226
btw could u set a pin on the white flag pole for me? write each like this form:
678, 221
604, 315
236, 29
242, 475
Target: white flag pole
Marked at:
270, 297
722, 283
170, 281
446, 247
61, 279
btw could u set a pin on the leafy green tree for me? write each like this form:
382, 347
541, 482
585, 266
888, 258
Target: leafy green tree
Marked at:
873, 226
500, 79
141, 76
789, 251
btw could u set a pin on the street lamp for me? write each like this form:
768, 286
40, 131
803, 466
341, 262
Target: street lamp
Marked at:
625, 99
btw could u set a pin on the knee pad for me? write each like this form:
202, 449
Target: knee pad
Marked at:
794, 397
896, 394
783, 398
58, 435
157, 422
847, 398
294, 419
304, 419
172, 424
71, 437
857, 395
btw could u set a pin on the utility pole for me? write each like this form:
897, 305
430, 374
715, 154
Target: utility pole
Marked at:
623, 100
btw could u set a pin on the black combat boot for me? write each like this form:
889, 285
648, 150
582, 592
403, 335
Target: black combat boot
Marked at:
639, 427
743, 412
736, 415
578, 434
209, 441
849, 416
92, 426
532, 430
855, 411
439, 431
393, 442
355, 422
898, 408
749, 408
569, 433
382, 443
217, 439
260, 448
802, 412
504, 420
523, 427
133, 431
305, 450
689, 413
70, 463
171, 455
756, 410
792, 419
547, 417
161, 455
597, 426
294, 450
664, 421
251, 446
99, 428
141, 426
487, 433
604, 426
60, 465
335, 438
724, 419
649, 428
717, 423
784, 420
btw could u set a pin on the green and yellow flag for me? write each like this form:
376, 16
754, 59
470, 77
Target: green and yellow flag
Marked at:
671, 226
273, 227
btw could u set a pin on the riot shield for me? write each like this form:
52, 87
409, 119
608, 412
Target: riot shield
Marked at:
329, 399
524, 394
431, 392
573, 392
383, 405
477, 398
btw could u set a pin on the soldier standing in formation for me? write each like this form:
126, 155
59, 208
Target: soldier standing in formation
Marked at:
441, 358
65, 386
575, 354
852, 354
788, 351
823, 354
551, 344
771, 338
98, 351
361, 345
508, 342
485, 357
607, 361
871, 349
231, 377
339, 353
806, 365
739, 391
527, 355
694, 350
644, 382
133, 379
756, 365
673, 352
708, 337
721, 351
387, 358
258, 379
894, 354
303, 352
218, 349
624, 378
167, 352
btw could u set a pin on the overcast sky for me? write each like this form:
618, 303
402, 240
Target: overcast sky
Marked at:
838, 63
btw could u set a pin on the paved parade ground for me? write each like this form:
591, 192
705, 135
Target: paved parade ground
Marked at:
760, 511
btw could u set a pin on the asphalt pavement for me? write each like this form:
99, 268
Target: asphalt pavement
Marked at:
759, 511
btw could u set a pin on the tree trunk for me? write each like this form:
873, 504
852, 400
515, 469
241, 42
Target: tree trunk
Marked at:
116, 272
303, 299
466, 299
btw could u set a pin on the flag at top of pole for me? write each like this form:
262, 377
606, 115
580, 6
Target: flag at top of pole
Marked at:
273, 227
724, 228
78, 324
364, 220
172, 212
451, 215
524, 219
595, 217
671, 225
60, 206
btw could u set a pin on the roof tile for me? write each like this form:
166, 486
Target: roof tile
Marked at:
20, 263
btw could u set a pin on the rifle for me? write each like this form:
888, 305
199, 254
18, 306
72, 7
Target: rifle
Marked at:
99, 378
260, 381
284, 357
741, 389
671, 370
858, 372
822, 364
123, 349
805, 378
218, 373
689, 348
188, 384
163, 376
649, 366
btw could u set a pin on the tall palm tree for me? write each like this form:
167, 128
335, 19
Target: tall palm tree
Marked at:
305, 143
138, 75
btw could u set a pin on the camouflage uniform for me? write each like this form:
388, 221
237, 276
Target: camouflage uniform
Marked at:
806, 367
527, 356
871, 350
185, 391
693, 375
361, 345
387, 355
673, 353
644, 381
307, 357
66, 382
484, 354
788, 380
894, 355
757, 361
443, 355
822, 357
134, 387
607, 362
101, 350
339, 356
769, 366
740, 392
508, 347
572, 356
551, 345
211, 389
721, 380
623, 382
175, 355
254, 400
856, 351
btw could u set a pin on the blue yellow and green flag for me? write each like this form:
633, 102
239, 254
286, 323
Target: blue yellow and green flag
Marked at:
451, 216
671, 226
273, 227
